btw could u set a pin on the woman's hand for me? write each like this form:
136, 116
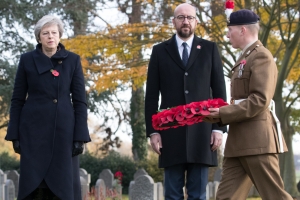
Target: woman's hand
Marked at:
16, 146
77, 148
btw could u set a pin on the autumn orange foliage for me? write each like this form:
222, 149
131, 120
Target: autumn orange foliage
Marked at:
113, 56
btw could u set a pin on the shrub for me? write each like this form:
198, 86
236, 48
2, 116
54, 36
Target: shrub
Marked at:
8, 163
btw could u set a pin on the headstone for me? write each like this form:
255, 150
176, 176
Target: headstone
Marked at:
139, 172
100, 190
14, 176
9, 190
143, 188
83, 173
215, 188
160, 191
107, 176
84, 189
217, 175
209, 190
130, 188
2, 184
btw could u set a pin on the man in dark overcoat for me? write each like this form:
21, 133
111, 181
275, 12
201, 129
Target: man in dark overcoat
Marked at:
48, 115
189, 149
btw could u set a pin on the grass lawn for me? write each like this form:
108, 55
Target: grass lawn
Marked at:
125, 197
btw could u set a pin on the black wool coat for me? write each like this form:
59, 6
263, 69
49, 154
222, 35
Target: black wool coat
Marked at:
201, 79
47, 114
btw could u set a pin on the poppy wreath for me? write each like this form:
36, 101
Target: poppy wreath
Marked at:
188, 114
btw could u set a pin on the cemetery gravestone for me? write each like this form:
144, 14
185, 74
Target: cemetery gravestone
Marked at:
2, 184
139, 172
87, 177
84, 189
107, 176
100, 190
160, 191
9, 190
143, 188
14, 176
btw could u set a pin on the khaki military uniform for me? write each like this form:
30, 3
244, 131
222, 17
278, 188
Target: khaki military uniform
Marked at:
253, 142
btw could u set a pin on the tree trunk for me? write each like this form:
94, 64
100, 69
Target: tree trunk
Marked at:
137, 121
287, 165
139, 141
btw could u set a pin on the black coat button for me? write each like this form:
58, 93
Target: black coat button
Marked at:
54, 100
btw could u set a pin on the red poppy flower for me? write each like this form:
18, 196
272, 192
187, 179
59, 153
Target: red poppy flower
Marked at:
119, 176
54, 72
182, 115
243, 62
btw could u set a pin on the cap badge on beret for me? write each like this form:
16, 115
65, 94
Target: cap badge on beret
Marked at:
242, 17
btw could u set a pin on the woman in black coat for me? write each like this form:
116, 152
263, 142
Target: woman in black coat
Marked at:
48, 117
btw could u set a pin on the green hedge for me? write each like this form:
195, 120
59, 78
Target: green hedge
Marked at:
9, 163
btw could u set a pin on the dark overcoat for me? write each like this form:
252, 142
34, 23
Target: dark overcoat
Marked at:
201, 79
47, 114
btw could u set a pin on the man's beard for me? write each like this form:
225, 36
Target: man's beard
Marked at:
185, 34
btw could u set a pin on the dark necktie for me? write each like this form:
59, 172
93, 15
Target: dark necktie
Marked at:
185, 55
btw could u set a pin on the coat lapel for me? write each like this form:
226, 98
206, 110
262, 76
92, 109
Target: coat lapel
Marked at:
42, 62
247, 53
172, 49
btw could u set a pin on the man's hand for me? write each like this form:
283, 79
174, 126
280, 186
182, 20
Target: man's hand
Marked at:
155, 141
214, 113
216, 140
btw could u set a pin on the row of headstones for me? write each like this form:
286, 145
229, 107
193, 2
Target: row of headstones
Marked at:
9, 184
105, 186
141, 187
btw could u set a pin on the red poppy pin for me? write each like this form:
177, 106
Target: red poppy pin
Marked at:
198, 47
241, 68
243, 62
54, 72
